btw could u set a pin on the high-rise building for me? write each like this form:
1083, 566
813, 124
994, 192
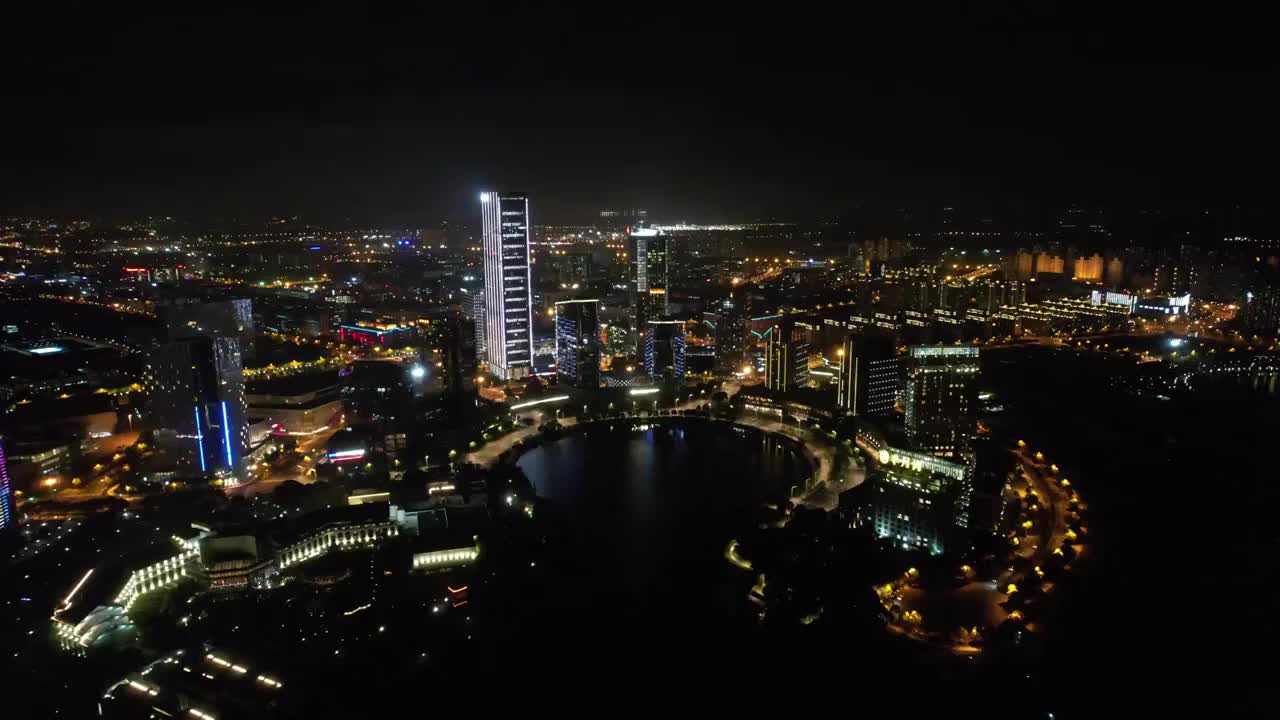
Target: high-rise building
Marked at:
1113, 275
870, 373
459, 354
917, 500
1176, 270
1049, 263
1261, 312
578, 342
664, 349
473, 309
507, 284
941, 399
195, 388
1021, 266
1088, 268
214, 318
728, 327
8, 517
648, 253
786, 364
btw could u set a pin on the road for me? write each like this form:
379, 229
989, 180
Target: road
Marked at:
301, 470
1051, 533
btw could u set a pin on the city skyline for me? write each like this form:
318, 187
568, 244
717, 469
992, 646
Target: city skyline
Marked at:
369, 363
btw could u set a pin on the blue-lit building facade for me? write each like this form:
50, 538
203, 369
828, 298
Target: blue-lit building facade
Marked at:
196, 394
508, 284
648, 253
8, 517
578, 343
664, 349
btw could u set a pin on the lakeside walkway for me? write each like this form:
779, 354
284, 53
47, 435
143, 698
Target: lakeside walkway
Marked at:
822, 492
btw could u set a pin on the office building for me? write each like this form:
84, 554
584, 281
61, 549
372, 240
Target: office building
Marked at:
1261, 313
8, 517
507, 284
216, 318
941, 399
578, 342
473, 309
870, 374
459, 354
1176, 270
647, 274
195, 388
786, 364
915, 499
664, 349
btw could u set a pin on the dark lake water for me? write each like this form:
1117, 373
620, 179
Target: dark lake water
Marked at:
635, 561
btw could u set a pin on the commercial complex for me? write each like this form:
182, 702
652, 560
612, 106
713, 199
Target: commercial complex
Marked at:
195, 389
917, 500
578, 342
648, 252
299, 405
941, 399
507, 284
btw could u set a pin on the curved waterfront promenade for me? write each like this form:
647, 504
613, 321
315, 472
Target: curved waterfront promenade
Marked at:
821, 492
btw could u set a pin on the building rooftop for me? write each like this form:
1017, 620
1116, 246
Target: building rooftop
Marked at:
299, 384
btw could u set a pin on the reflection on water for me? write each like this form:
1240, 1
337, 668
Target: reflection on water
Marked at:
642, 517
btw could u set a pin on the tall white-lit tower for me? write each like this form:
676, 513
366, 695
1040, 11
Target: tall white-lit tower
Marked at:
507, 284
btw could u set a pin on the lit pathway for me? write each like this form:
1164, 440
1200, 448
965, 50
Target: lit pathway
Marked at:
823, 492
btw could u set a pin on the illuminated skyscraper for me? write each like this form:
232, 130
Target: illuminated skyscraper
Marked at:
473, 308
870, 373
8, 517
786, 363
648, 252
578, 342
195, 388
942, 400
507, 284
664, 349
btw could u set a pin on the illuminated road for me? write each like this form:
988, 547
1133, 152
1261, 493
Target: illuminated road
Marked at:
1051, 533
298, 468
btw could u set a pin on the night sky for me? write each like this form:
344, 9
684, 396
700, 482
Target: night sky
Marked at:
708, 118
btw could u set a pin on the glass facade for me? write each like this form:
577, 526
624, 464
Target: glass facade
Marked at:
578, 342
507, 283
648, 252
196, 393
